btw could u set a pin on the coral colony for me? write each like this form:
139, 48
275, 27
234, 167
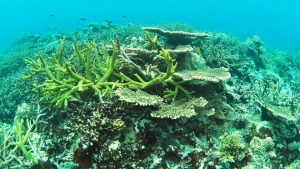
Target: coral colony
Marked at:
148, 97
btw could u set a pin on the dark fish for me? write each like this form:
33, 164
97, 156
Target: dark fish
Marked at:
52, 15
110, 22
31, 37
124, 16
106, 20
82, 19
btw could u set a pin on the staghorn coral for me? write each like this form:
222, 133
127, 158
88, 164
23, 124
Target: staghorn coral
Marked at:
9, 156
165, 78
63, 81
151, 41
94, 130
22, 139
84, 71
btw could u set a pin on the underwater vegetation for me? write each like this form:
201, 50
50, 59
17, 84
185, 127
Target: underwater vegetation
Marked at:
148, 97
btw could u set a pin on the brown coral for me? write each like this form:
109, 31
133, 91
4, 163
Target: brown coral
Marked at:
206, 74
187, 109
178, 34
138, 97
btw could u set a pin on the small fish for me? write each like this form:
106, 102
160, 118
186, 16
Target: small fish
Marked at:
31, 37
124, 16
82, 19
48, 28
6, 51
107, 21
52, 15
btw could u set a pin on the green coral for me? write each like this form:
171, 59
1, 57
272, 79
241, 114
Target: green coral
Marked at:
21, 143
151, 41
85, 71
166, 78
64, 81
232, 148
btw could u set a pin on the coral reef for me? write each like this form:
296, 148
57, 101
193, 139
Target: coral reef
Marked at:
154, 97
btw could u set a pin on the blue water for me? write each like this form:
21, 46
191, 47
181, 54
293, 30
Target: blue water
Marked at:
276, 22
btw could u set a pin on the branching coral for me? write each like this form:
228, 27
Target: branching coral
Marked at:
151, 41
64, 81
165, 78
22, 139
8, 155
85, 70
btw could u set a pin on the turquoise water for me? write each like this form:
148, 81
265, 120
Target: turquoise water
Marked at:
275, 22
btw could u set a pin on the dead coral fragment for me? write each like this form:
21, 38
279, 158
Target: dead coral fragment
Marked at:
138, 97
184, 110
206, 74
